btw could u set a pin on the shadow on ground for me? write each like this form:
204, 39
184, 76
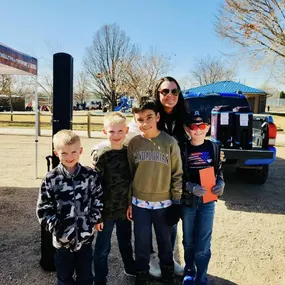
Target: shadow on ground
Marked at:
20, 244
213, 280
267, 198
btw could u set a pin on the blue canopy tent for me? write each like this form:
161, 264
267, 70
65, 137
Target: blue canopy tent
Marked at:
13, 62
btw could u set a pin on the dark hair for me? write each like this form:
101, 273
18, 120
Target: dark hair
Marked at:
145, 103
179, 108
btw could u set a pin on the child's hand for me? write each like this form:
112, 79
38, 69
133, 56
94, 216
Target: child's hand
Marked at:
130, 213
173, 214
195, 189
99, 227
199, 191
222, 156
218, 189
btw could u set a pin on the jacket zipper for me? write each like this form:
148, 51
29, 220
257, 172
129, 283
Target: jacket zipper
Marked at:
75, 213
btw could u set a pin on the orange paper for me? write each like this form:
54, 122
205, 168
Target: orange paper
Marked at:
208, 181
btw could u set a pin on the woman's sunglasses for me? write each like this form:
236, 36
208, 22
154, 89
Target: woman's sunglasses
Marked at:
165, 92
194, 127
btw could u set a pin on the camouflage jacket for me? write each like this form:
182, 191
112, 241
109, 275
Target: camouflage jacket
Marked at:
113, 167
69, 206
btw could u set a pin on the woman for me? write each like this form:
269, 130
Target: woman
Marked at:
171, 106
170, 103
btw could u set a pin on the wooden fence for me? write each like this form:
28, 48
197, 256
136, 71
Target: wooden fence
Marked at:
83, 118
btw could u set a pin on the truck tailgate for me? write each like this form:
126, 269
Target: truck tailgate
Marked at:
249, 157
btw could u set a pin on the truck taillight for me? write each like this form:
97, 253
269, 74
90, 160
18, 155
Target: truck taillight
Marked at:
272, 132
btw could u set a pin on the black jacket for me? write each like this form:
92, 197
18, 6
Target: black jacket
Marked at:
190, 199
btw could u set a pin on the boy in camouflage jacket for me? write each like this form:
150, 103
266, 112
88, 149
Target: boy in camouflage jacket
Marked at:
69, 206
109, 158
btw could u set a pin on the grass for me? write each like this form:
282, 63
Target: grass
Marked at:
16, 125
47, 118
80, 118
28, 121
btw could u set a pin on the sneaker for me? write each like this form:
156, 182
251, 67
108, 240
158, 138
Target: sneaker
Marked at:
188, 280
168, 282
142, 278
154, 268
130, 272
167, 274
141, 282
178, 269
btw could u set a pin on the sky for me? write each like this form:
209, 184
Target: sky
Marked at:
181, 30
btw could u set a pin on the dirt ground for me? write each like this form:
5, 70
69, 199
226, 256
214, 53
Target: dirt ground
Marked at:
248, 246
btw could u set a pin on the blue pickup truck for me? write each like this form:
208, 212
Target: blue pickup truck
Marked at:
251, 164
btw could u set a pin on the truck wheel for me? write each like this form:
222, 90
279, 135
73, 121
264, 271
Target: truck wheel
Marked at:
254, 176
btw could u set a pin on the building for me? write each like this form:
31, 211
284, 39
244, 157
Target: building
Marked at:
18, 103
255, 97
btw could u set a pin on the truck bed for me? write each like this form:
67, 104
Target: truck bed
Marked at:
242, 157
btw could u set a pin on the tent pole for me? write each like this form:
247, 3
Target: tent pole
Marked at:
36, 125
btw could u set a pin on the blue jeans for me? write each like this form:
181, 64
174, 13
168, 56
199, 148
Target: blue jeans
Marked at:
67, 261
143, 221
103, 247
197, 233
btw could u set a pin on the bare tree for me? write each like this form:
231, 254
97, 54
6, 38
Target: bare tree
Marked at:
142, 72
187, 82
45, 82
23, 85
82, 87
45, 78
5, 84
211, 69
270, 89
6, 88
257, 26
16, 88
104, 61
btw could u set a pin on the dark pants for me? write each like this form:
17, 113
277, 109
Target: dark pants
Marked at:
67, 262
143, 221
103, 247
197, 234
173, 239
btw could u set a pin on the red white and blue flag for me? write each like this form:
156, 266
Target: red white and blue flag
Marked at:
200, 158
